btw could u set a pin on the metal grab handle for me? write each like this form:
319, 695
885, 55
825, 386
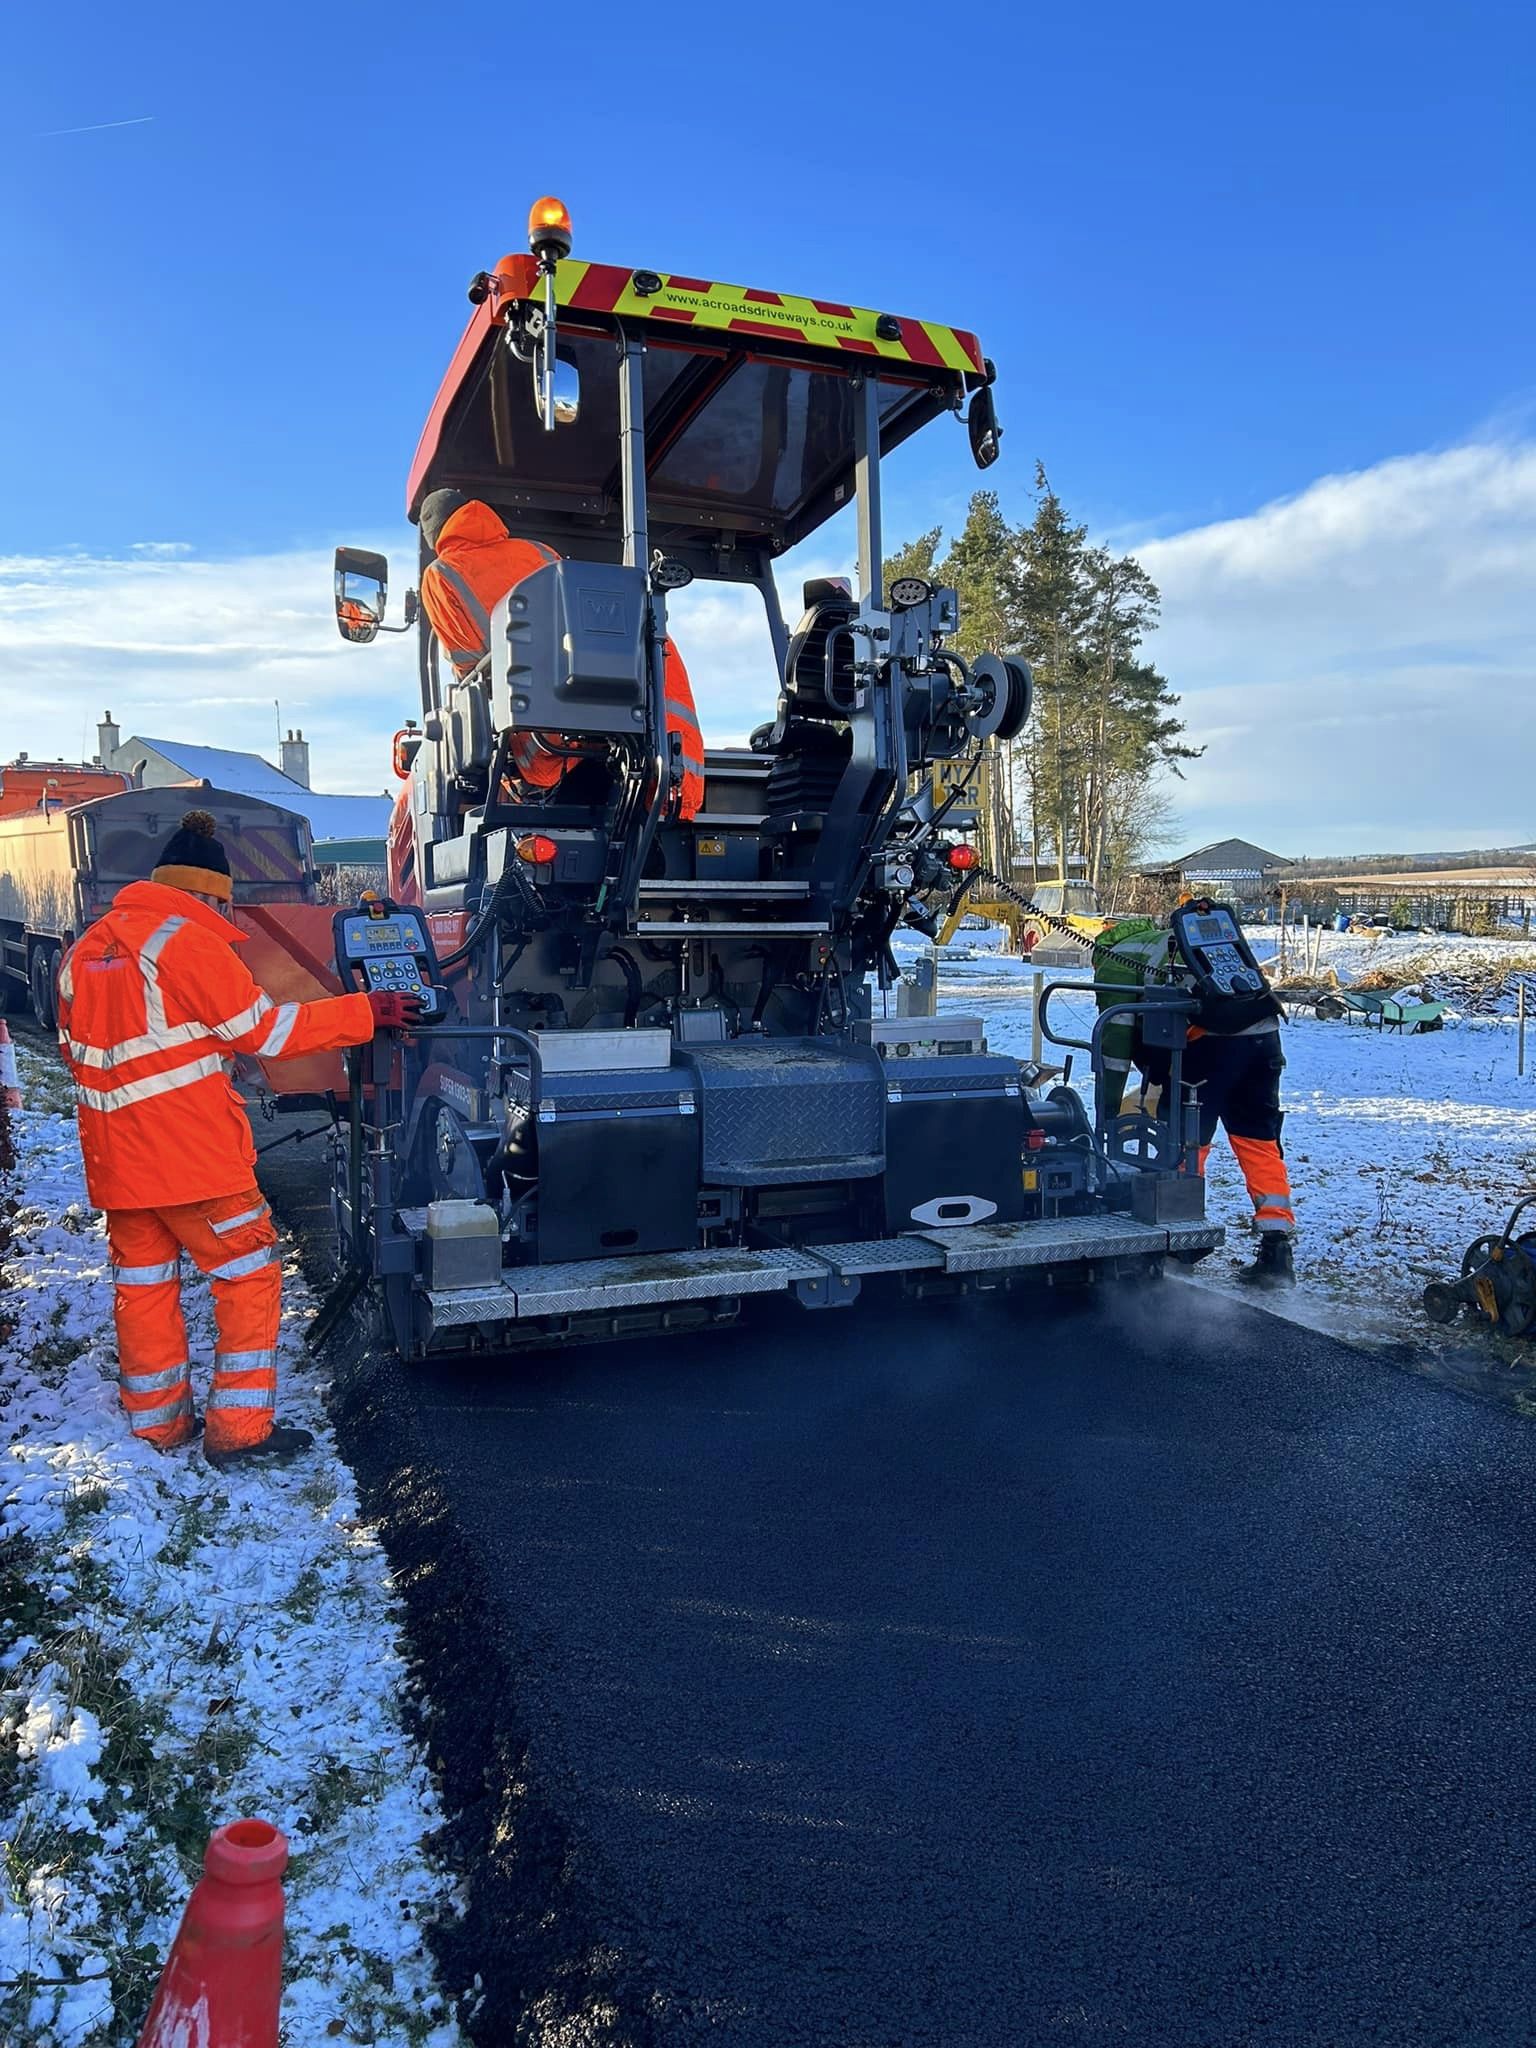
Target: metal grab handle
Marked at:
1187, 1005
431, 1032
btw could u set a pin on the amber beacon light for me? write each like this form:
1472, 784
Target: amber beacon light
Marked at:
549, 229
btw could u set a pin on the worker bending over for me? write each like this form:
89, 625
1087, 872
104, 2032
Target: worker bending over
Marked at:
477, 563
1233, 1057
154, 1003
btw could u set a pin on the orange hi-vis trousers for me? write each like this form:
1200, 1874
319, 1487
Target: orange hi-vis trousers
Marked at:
232, 1240
1239, 1083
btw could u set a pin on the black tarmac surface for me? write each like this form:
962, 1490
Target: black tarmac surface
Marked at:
1154, 1673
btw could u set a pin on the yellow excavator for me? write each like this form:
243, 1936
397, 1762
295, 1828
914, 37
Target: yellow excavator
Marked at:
1071, 903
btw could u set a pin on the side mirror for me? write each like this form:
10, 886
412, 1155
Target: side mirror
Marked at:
564, 390
567, 392
362, 590
981, 425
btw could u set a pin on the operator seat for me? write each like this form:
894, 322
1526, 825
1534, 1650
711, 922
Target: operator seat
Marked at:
809, 740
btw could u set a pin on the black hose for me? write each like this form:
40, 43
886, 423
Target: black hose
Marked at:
633, 982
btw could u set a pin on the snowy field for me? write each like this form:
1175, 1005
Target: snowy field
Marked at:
178, 1648
1401, 1149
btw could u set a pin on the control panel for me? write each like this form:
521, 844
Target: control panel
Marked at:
381, 945
1211, 943
908, 1038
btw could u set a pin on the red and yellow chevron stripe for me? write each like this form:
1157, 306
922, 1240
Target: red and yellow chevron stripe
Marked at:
703, 304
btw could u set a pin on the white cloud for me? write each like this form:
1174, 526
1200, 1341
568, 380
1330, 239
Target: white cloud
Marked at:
1361, 659
162, 550
180, 648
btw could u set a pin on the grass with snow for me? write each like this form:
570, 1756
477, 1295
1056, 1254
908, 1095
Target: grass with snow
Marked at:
178, 1648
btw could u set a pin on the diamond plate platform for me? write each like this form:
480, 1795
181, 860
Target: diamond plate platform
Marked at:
878, 1255
453, 1306
1194, 1237
1053, 1241
561, 1290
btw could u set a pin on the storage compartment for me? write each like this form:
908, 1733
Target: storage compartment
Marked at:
618, 1162
954, 1136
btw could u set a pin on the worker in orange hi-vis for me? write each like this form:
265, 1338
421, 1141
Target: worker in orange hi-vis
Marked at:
476, 563
154, 1003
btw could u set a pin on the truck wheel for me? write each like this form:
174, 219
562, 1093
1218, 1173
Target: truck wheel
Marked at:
45, 965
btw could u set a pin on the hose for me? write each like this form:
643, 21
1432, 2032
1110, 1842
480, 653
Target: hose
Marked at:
633, 982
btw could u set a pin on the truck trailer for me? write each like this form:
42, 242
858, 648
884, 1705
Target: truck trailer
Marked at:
61, 864
655, 1076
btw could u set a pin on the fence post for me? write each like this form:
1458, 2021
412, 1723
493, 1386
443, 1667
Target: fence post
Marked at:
1520, 1035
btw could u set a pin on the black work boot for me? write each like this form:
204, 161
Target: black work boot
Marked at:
282, 1443
1275, 1266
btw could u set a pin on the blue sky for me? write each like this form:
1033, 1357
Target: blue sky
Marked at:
1218, 254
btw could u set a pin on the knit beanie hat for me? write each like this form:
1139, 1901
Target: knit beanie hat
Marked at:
437, 508
193, 859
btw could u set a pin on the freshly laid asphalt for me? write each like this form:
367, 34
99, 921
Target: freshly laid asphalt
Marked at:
1156, 1672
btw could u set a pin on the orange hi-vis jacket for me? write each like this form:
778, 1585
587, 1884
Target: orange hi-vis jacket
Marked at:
477, 563
154, 1004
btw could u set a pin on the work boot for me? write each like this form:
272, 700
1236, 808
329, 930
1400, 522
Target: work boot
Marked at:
279, 1446
1275, 1266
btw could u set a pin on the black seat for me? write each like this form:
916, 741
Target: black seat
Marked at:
818, 682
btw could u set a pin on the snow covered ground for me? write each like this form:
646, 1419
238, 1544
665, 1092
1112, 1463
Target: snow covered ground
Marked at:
1401, 1149
179, 1648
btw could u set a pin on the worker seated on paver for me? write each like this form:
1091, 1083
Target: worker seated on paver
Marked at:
1234, 1058
477, 563
154, 1004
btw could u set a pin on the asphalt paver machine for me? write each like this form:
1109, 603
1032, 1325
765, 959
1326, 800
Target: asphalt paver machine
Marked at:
657, 1076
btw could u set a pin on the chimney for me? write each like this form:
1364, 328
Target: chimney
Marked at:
294, 758
108, 739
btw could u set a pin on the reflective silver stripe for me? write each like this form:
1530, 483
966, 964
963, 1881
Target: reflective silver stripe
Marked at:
63, 1045
471, 604
243, 1397
1282, 1201
237, 1027
244, 1361
153, 1382
679, 714
282, 1030
1285, 1226
236, 1269
151, 1085
149, 967
152, 1418
127, 1049
229, 1223
146, 1276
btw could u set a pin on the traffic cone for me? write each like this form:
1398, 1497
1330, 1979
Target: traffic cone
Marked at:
10, 1082
223, 1980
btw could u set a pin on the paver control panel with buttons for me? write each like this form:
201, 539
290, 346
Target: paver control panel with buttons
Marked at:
381, 945
1211, 941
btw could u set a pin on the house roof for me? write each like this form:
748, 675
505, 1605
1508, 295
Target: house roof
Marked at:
330, 817
1223, 857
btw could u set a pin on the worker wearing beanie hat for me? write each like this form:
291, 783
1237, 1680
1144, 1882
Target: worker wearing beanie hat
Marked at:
193, 859
154, 1004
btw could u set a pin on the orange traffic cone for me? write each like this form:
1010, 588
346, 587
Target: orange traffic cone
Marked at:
223, 1980
10, 1082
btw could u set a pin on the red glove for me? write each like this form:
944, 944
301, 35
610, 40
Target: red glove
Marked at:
393, 1011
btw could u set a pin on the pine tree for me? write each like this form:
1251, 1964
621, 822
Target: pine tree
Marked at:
1088, 775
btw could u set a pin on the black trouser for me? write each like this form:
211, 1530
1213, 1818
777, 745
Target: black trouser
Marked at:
1239, 1089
